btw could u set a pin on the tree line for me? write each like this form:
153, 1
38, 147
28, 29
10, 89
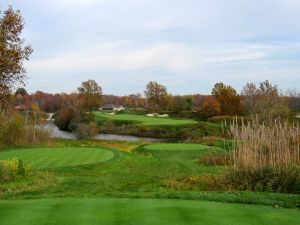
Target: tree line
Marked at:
264, 98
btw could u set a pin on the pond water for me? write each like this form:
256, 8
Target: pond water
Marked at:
56, 133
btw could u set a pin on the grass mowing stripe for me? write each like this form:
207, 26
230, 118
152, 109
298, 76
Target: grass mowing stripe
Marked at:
58, 157
95, 211
146, 120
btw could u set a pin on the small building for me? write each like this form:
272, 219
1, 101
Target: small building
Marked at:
20, 108
111, 108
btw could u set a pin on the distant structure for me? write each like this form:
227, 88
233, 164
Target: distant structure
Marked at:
20, 108
111, 108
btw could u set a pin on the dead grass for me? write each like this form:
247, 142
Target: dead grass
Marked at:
258, 145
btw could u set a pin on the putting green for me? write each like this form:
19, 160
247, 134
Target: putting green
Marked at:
58, 157
140, 212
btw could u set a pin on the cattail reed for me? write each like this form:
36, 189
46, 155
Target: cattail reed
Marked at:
258, 145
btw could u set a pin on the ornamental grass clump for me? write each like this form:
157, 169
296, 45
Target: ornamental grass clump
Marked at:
13, 169
265, 157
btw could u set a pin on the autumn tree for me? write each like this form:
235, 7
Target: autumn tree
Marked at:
90, 95
176, 104
210, 107
249, 98
293, 100
230, 101
13, 53
265, 101
198, 100
270, 103
179, 103
156, 95
37, 115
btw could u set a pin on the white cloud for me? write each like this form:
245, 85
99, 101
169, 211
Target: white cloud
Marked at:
121, 56
59, 4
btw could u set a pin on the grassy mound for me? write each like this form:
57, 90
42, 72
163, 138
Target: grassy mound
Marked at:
145, 120
58, 157
140, 211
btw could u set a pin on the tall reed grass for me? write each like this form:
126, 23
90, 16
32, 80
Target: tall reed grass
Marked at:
265, 157
257, 145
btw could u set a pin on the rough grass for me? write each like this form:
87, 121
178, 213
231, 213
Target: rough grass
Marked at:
124, 146
58, 157
94, 211
141, 119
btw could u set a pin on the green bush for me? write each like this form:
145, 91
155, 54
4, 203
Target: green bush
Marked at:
135, 111
214, 160
184, 132
10, 170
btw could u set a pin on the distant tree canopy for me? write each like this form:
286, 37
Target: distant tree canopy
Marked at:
264, 100
21, 91
13, 53
90, 95
156, 95
179, 103
230, 101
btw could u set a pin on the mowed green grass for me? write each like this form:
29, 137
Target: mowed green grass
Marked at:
58, 157
176, 147
146, 120
102, 211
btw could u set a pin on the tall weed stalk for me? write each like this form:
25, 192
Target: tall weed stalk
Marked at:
265, 157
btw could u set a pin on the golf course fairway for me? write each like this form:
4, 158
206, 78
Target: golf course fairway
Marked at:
58, 157
143, 119
96, 211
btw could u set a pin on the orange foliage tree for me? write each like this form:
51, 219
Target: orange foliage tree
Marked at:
230, 101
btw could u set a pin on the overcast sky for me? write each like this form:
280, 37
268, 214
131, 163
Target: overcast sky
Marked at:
187, 45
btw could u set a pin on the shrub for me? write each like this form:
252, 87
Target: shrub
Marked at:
12, 130
210, 140
229, 119
4, 173
63, 118
15, 130
136, 111
286, 180
13, 169
195, 133
214, 160
183, 183
86, 131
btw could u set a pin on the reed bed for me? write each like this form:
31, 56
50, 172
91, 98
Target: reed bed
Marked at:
265, 157
258, 145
